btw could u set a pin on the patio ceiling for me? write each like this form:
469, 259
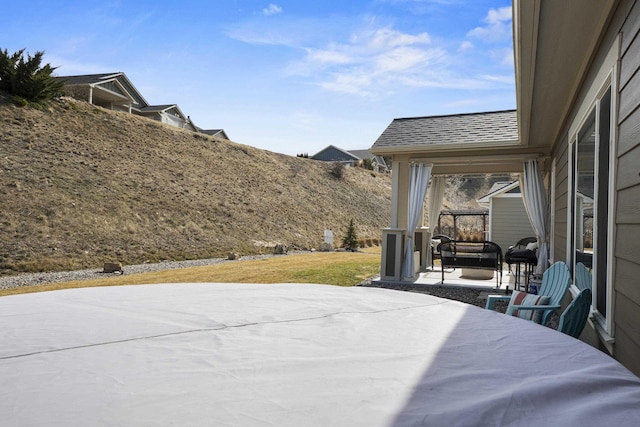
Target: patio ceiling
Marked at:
553, 45
105, 95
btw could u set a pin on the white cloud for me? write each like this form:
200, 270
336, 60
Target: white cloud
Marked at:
263, 36
272, 9
354, 83
465, 45
444, 81
498, 26
386, 37
404, 59
502, 79
369, 61
374, 60
328, 56
289, 32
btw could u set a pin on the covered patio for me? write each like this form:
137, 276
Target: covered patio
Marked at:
425, 150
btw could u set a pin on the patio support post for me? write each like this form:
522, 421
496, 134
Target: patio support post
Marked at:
393, 237
395, 193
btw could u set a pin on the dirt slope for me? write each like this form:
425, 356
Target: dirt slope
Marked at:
81, 185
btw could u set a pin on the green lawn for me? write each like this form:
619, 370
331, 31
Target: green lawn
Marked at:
333, 268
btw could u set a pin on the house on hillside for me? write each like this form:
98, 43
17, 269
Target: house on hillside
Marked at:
168, 114
218, 133
116, 92
378, 162
574, 135
508, 219
332, 153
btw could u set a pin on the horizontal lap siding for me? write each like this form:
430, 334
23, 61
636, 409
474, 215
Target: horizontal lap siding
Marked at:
562, 186
627, 215
626, 351
509, 222
626, 317
629, 133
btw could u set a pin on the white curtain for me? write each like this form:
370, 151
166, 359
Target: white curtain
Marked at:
535, 203
436, 195
419, 174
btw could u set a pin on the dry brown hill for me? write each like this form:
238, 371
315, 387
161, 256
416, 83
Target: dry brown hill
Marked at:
81, 185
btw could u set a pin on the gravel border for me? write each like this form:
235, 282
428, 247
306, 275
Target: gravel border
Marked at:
459, 293
472, 296
33, 279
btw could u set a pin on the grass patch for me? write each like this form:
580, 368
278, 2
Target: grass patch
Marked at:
332, 268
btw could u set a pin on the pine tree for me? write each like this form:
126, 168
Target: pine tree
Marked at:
350, 240
27, 79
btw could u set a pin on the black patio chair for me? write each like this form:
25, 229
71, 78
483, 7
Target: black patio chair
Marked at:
436, 241
519, 255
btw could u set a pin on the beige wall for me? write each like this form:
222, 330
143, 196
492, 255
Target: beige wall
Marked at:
625, 268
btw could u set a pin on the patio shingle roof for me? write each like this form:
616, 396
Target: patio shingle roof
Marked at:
423, 132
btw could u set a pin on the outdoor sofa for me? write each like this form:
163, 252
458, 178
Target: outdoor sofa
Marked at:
482, 255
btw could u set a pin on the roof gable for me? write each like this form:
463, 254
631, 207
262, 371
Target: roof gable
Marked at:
501, 188
159, 108
334, 154
220, 133
113, 82
88, 78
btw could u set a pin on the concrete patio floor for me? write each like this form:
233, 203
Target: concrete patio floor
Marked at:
482, 280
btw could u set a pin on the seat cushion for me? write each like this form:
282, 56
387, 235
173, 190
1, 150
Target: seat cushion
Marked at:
514, 255
523, 298
533, 246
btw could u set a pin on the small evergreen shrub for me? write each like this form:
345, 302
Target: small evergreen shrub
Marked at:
350, 239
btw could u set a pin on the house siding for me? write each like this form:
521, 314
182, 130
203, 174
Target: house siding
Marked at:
509, 221
627, 217
561, 202
625, 22
333, 154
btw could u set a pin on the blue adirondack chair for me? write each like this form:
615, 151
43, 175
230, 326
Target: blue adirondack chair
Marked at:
583, 277
555, 283
574, 317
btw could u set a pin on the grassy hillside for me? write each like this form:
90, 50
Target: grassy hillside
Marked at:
81, 185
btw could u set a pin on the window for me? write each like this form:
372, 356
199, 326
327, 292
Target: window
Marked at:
591, 214
591, 189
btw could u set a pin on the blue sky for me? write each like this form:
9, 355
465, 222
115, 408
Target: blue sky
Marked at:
290, 76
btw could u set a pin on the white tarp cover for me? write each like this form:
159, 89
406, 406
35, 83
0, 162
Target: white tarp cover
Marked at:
436, 195
534, 197
293, 355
